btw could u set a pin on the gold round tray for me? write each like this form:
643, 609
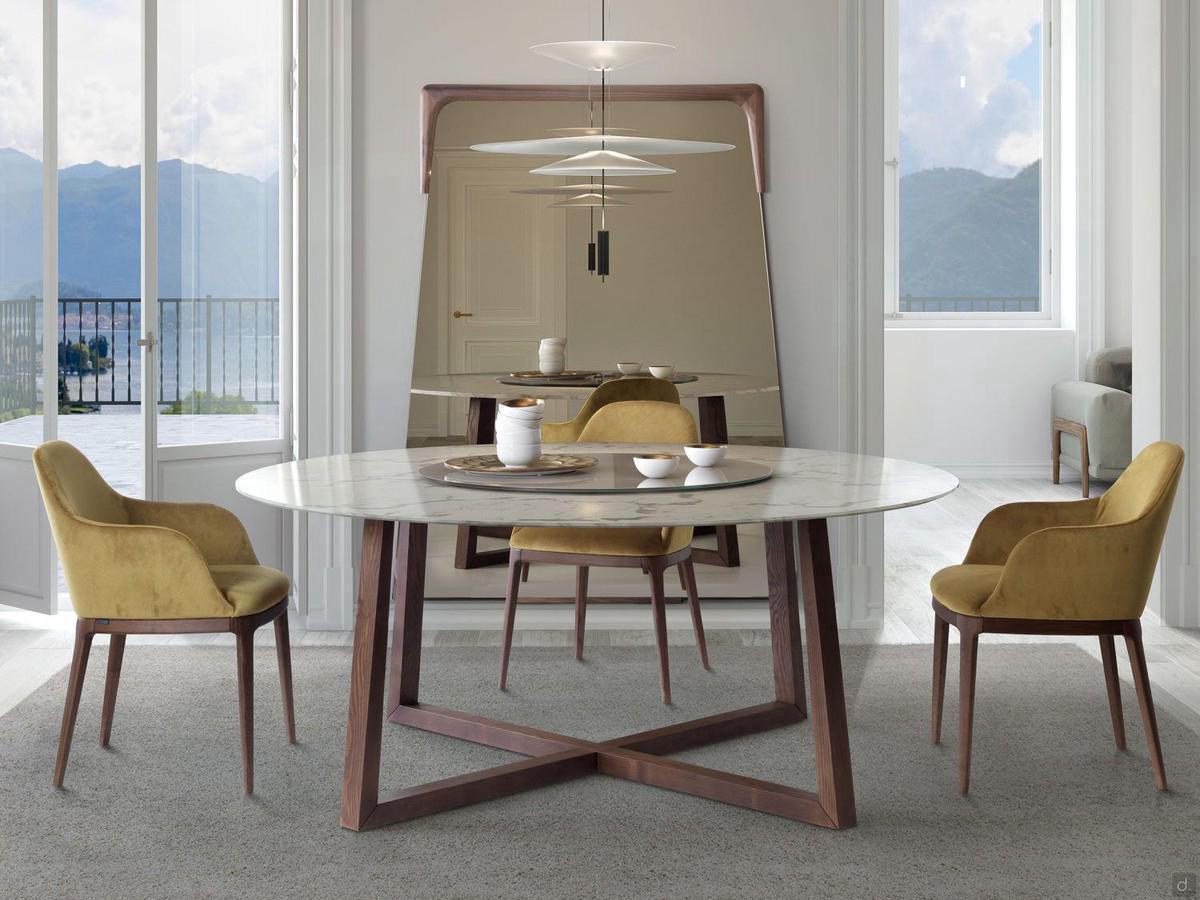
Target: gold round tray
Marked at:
570, 373
548, 463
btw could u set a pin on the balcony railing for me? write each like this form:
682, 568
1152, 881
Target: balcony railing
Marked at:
209, 349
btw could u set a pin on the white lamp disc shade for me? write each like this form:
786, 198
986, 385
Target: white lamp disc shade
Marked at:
601, 56
588, 201
603, 162
588, 129
571, 190
622, 143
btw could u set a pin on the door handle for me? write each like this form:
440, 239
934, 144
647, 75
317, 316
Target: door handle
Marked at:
459, 314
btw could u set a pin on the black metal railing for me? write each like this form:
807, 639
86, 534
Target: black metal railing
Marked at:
209, 350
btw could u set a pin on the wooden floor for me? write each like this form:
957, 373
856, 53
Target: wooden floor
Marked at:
918, 542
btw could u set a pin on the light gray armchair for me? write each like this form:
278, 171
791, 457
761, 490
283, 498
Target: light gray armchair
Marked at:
1091, 427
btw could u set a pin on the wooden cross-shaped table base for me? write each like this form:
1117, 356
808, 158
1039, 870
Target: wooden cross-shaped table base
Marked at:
557, 757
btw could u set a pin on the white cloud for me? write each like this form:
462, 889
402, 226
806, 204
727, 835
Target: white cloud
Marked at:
218, 75
958, 107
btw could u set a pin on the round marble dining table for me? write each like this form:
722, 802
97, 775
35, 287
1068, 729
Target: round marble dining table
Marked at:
397, 504
483, 390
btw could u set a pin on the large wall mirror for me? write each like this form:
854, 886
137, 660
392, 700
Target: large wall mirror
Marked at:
504, 268
688, 285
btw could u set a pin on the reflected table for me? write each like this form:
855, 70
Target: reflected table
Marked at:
483, 390
398, 504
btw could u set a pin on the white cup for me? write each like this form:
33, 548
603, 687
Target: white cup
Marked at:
524, 436
523, 408
514, 455
509, 425
552, 365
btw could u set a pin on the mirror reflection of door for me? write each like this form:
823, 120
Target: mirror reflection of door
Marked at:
501, 281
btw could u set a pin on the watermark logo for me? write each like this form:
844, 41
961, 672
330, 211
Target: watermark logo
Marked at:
1183, 884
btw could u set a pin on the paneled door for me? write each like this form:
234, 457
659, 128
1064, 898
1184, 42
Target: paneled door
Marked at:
505, 275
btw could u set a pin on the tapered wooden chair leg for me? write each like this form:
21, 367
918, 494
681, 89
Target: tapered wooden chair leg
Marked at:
79, 661
969, 647
581, 586
510, 614
1108, 653
1141, 680
682, 578
658, 601
525, 572
941, 638
688, 571
283, 651
116, 653
245, 677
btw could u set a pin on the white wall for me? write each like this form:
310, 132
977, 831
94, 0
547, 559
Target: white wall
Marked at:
976, 401
789, 47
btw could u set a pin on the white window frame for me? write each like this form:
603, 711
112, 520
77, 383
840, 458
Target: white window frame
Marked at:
1050, 314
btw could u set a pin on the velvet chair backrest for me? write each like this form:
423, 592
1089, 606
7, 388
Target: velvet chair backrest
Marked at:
640, 421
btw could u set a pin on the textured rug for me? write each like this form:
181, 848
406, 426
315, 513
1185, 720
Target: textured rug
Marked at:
1055, 810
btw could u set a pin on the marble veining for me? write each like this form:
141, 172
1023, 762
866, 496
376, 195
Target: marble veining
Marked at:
807, 484
484, 384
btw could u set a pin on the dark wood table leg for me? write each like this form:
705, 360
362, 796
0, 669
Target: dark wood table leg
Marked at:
835, 781
635, 757
715, 430
364, 726
481, 429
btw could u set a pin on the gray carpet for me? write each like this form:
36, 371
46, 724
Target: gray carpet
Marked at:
1055, 811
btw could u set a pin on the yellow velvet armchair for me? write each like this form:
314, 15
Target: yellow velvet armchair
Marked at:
653, 549
1072, 568
141, 567
618, 390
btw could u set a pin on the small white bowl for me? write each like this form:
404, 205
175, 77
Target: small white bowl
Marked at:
513, 425
516, 455
523, 408
705, 454
703, 476
519, 437
629, 368
662, 371
656, 465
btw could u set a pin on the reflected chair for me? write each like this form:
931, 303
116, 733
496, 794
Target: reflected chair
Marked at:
1096, 415
1081, 567
618, 390
654, 550
140, 567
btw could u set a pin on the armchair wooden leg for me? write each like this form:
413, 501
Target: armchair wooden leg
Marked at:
1141, 680
941, 638
581, 586
969, 647
658, 601
688, 572
1108, 653
245, 676
1055, 451
283, 650
79, 661
510, 613
525, 571
116, 653
682, 578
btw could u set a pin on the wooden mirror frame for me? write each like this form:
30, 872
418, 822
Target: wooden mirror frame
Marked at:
749, 97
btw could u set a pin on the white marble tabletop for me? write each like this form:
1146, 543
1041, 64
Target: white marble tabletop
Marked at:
386, 484
484, 384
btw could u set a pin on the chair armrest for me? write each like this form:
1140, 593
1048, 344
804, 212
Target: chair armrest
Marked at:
1108, 415
1077, 572
216, 532
1005, 526
559, 432
136, 572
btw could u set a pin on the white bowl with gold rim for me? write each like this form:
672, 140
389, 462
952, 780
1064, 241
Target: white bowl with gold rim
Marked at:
655, 465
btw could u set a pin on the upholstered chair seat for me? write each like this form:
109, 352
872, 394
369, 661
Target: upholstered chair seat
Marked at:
652, 549
1074, 568
135, 566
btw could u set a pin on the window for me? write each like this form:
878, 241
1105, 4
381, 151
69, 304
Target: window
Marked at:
970, 210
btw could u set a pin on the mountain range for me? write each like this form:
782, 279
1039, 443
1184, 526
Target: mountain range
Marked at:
966, 234
218, 231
